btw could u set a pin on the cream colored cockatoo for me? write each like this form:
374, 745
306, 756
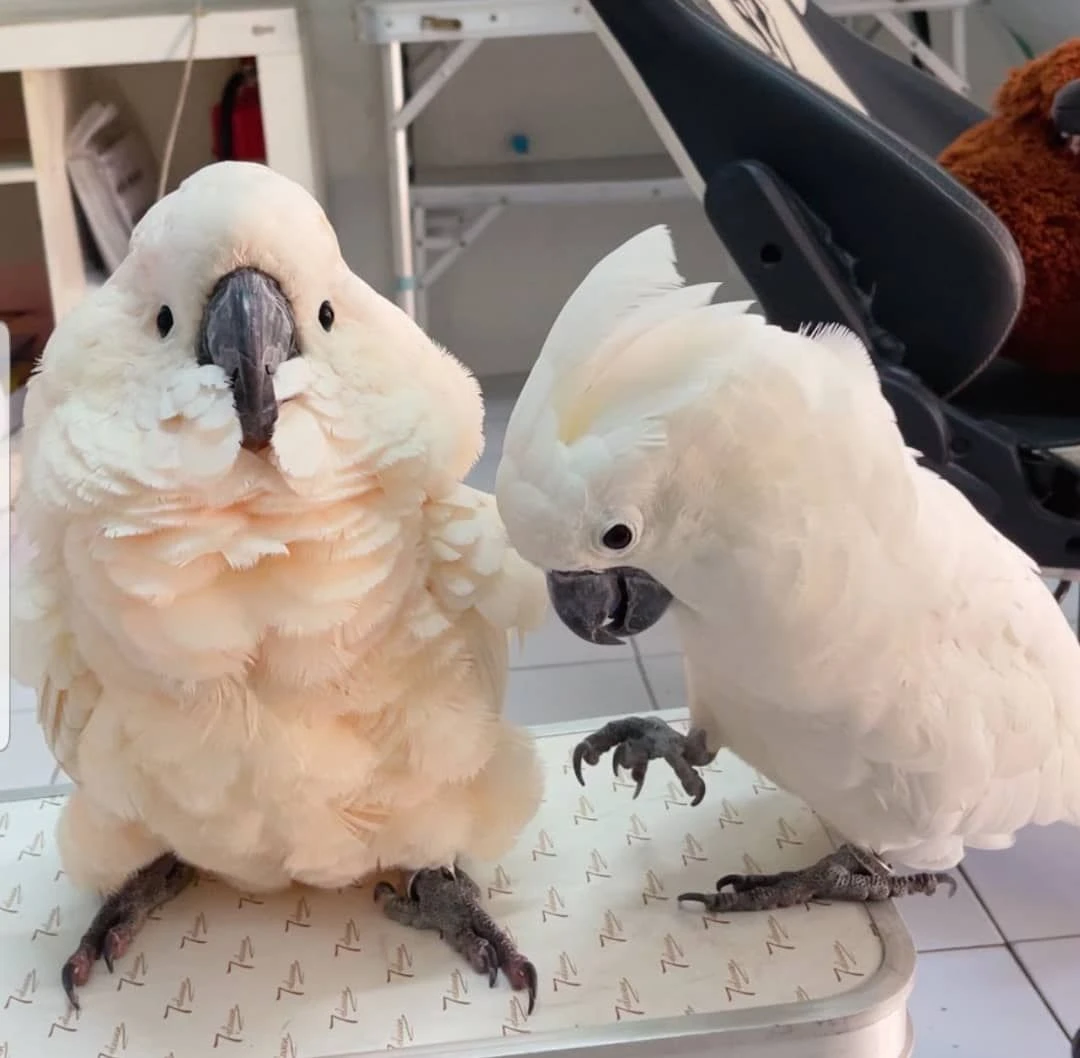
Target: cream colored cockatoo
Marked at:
851, 626
267, 622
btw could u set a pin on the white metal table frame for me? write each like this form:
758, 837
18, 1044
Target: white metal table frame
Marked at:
447, 219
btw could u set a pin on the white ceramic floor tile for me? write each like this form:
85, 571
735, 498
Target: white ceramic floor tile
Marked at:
554, 644
938, 921
665, 676
26, 761
979, 1004
1031, 889
662, 638
1054, 966
575, 692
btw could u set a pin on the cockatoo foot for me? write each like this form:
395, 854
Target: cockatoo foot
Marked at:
449, 901
851, 874
638, 740
121, 916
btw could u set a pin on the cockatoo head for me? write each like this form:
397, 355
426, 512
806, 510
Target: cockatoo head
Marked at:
646, 433
234, 337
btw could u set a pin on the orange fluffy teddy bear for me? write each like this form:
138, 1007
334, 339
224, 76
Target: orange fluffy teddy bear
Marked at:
1024, 163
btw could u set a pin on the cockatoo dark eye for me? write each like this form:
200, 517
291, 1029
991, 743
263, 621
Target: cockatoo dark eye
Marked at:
326, 315
164, 320
617, 537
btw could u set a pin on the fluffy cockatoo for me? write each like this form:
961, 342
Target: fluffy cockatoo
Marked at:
851, 626
266, 620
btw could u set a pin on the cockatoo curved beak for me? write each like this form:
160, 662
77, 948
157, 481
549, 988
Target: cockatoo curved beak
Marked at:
248, 330
605, 606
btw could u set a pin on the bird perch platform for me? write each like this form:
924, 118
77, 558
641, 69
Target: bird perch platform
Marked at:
589, 893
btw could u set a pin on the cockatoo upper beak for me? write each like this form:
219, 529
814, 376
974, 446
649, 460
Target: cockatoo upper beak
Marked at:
248, 330
607, 605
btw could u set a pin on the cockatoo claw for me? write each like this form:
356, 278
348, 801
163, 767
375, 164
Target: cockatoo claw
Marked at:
121, 916
849, 874
449, 901
638, 740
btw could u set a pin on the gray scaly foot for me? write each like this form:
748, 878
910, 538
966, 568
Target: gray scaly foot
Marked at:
851, 874
638, 740
449, 901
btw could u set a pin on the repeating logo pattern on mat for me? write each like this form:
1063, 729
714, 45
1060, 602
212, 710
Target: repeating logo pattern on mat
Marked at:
589, 894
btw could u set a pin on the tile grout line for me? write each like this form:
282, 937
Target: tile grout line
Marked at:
1011, 949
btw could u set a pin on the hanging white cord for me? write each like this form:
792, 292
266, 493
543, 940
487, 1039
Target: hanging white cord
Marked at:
181, 99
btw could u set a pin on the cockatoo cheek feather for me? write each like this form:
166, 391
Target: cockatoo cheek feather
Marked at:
287, 664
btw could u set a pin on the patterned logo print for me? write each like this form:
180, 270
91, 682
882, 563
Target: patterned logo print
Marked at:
349, 940
117, 1043
11, 905
844, 963
64, 1023
611, 932
24, 994
675, 797
301, 917
554, 906
135, 975
598, 867
288, 1047
197, 933
5, 824
500, 884
51, 926
514, 1025
786, 835
242, 960
566, 976
762, 785
692, 851
544, 846
400, 965
248, 898
777, 938
637, 830
629, 1002
673, 956
729, 816
403, 1034
293, 985
457, 993
345, 1011
36, 846
585, 812
738, 981
233, 1029
181, 1002
654, 888
802, 995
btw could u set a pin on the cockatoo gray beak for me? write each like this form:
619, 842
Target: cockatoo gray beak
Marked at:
608, 605
248, 330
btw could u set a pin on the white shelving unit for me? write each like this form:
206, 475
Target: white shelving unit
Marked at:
48, 45
439, 213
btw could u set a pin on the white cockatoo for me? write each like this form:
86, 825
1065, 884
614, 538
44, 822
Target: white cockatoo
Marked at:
267, 623
851, 626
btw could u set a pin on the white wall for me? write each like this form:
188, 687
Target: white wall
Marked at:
494, 306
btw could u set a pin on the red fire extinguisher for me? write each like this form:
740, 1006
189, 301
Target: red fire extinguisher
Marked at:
237, 118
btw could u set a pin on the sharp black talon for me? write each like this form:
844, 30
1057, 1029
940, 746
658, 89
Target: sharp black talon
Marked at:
639, 778
579, 753
697, 898
617, 759
67, 979
381, 888
728, 879
950, 881
106, 956
530, 973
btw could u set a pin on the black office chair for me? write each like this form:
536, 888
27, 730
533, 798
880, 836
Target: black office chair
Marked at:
830, 204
